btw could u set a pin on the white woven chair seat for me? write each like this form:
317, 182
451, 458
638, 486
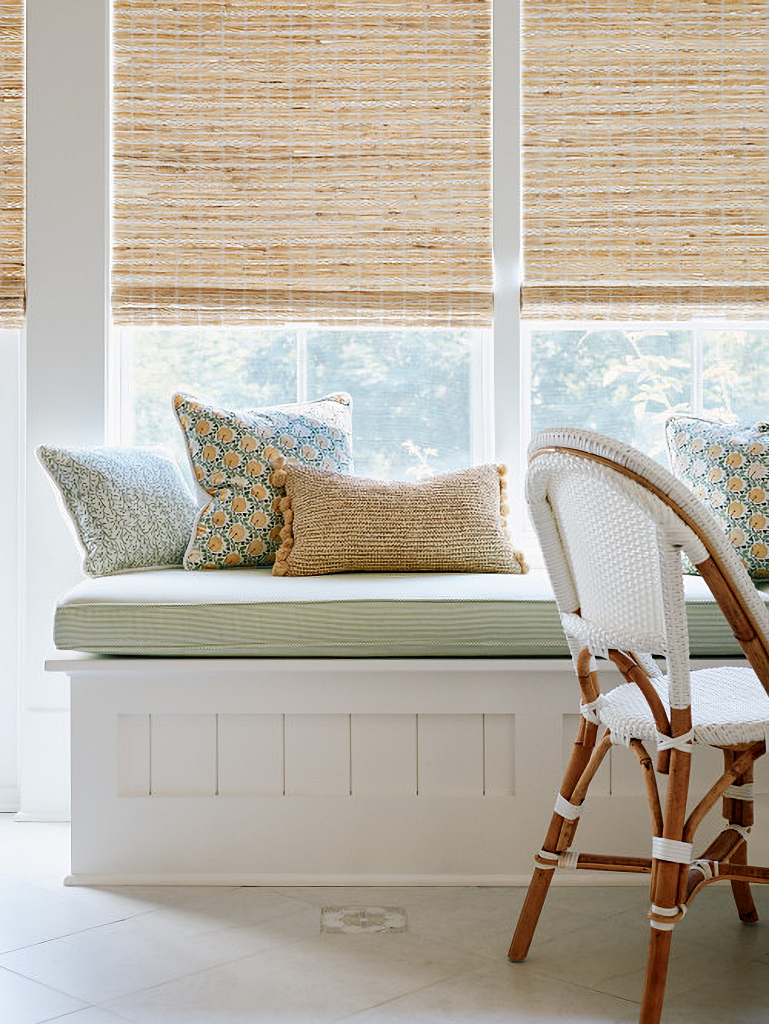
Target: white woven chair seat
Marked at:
729, 706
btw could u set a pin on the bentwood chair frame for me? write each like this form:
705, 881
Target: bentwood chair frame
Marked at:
613, 524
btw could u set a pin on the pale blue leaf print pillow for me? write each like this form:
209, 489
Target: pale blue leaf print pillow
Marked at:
130, 507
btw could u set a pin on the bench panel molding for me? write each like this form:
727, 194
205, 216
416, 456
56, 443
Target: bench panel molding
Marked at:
330, 772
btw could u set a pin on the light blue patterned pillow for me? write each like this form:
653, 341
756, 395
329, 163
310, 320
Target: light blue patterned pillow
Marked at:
233, 453
726, 466
130, 507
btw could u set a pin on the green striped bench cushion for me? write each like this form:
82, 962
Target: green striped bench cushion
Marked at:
249, 612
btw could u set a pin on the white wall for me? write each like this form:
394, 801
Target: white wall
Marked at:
10, 531
65, 351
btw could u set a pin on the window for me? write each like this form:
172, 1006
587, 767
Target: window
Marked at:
417, 393
625, 381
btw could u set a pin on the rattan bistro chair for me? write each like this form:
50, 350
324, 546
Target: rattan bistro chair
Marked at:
612, 524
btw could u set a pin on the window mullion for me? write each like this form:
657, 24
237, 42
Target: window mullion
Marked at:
697, 403
301, 365
509, 397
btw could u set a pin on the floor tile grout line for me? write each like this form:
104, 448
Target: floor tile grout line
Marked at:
88, 1006
409, 992
107, 1004
43, 984
67, 935
147, 988
586, 988
103, 924
474, 970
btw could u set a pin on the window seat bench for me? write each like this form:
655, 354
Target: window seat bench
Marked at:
233, 728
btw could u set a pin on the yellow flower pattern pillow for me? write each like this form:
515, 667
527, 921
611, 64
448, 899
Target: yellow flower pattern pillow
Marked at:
233, 454
727, 467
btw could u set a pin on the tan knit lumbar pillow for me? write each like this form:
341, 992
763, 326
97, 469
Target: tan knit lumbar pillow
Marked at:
449, 523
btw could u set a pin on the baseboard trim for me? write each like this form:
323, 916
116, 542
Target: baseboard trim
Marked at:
41, 816
578, 878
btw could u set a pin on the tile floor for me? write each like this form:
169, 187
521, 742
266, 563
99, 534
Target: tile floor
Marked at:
235, 956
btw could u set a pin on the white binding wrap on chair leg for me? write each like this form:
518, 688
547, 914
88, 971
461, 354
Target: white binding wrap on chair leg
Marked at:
569, 860
744, 792
589, 709
671, 850
567, 810
679, 913
676, 852
705, 868
551, 858
744, 830
566, 860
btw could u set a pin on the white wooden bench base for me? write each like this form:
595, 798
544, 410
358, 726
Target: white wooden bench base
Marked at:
335, 772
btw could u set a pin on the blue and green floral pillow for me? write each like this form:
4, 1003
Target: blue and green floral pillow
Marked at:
233, 454
727, 467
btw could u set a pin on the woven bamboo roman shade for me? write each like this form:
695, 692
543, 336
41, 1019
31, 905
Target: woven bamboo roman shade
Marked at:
302, 160
12, 287
646, 159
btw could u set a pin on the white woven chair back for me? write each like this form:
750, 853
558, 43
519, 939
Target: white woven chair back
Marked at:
613, 547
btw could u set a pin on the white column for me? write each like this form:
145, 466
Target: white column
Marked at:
508, 398
65, 352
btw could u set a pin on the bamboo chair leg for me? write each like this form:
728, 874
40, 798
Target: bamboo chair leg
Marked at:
559, 837
542, 877
529, 917
668, 878
740, 812
539, 886
743, 898
656, 976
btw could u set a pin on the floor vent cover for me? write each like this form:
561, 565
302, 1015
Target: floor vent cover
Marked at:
350, 920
